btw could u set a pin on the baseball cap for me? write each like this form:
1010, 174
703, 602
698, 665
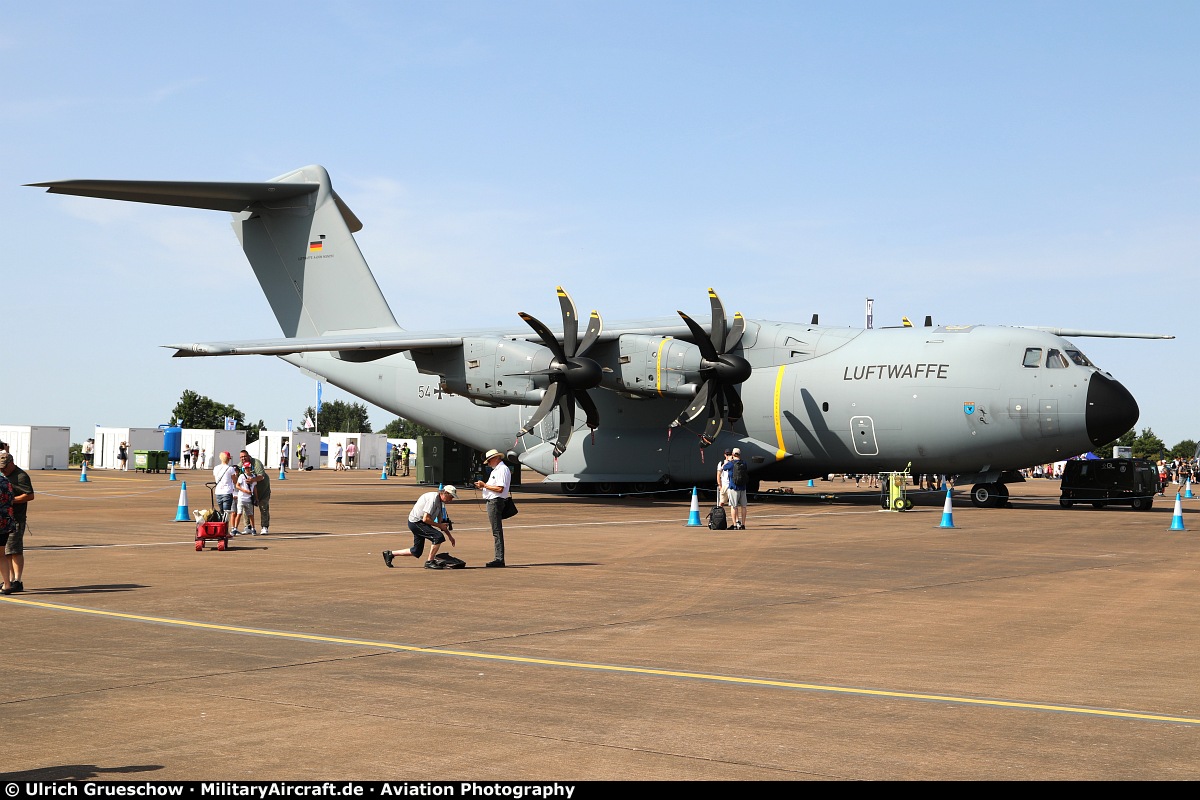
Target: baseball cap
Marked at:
728, 452
5, 458
737, 451
450, 490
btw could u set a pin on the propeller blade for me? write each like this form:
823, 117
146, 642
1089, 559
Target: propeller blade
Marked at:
566, 423
707, 351
548, 338
697, 406
735, 332
735, 404
712, 429
718, 321
570, 321
543, 409
589, 409
595, 326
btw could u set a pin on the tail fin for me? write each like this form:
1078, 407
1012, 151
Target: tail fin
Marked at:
298, 236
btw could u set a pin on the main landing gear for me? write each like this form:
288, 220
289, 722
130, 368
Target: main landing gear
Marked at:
989, 495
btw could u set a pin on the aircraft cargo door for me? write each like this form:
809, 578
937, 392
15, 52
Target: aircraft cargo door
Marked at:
863, 430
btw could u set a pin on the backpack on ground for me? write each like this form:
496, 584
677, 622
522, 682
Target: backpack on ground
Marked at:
716, 518
741, 474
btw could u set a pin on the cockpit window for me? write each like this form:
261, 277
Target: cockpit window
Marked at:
1079, 358
1033, 356
1056, 360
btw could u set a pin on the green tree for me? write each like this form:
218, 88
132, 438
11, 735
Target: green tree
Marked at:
1148, 446
339, 416
1185, 449
401, 428
197, 411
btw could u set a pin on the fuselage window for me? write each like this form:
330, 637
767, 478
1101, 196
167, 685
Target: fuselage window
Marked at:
1056, 360
1079, 358
1033, 356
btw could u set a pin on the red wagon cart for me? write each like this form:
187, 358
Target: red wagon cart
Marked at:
215, 527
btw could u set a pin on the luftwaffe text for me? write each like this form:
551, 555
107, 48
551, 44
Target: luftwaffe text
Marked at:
879, 372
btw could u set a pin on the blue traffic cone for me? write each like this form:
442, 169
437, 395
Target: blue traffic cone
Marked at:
810, 483
1188, 492
1177, 520
694, 516
83, 478
182, 514
947, 512
282, 474
173, 471
383, 474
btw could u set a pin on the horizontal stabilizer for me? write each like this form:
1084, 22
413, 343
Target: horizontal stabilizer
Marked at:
232, 197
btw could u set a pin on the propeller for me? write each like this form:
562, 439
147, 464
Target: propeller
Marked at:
719, 371
570, 373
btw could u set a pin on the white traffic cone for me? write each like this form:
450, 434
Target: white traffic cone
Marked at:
947, 512
173, 471
1188, 491
182, 514
383, 474
83, 478
1177, 520
694, 516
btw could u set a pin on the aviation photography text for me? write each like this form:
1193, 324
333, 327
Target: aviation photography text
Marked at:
265, 789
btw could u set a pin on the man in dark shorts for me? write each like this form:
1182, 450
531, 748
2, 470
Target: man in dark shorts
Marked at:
22, 494
427, 521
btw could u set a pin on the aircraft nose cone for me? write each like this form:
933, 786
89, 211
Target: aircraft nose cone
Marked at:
1111, 409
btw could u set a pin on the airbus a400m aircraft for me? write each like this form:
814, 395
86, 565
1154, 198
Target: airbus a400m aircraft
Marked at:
800, 400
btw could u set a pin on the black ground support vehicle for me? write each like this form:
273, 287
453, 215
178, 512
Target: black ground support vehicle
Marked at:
1108, 482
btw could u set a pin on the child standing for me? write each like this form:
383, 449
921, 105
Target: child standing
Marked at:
244, 507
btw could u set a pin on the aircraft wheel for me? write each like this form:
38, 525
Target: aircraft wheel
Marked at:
1001, 495
1065, 503
983, 495
638, 487
607, 488
571, 487
1097, 504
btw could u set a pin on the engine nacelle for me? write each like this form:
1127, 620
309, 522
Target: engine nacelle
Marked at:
491, 369
654, 366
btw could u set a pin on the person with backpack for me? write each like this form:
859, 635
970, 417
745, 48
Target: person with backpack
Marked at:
8, 526
738, 478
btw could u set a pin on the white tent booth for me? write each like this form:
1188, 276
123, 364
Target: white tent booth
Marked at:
37, 446
107, 440
270, 443
212, 442
313, 450
372, 449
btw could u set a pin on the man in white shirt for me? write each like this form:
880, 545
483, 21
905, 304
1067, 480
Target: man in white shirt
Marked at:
225, 476
495, 493
426, 522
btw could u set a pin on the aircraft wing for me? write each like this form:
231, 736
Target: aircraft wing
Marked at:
383, 343
1068, 333
352, 347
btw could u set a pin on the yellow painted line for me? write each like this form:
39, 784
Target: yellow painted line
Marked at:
781, 453
658, 367
665, 673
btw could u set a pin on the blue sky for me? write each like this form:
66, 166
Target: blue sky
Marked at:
1009, 163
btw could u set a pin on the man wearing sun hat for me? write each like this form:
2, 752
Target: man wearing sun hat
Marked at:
495, 493
427, 520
